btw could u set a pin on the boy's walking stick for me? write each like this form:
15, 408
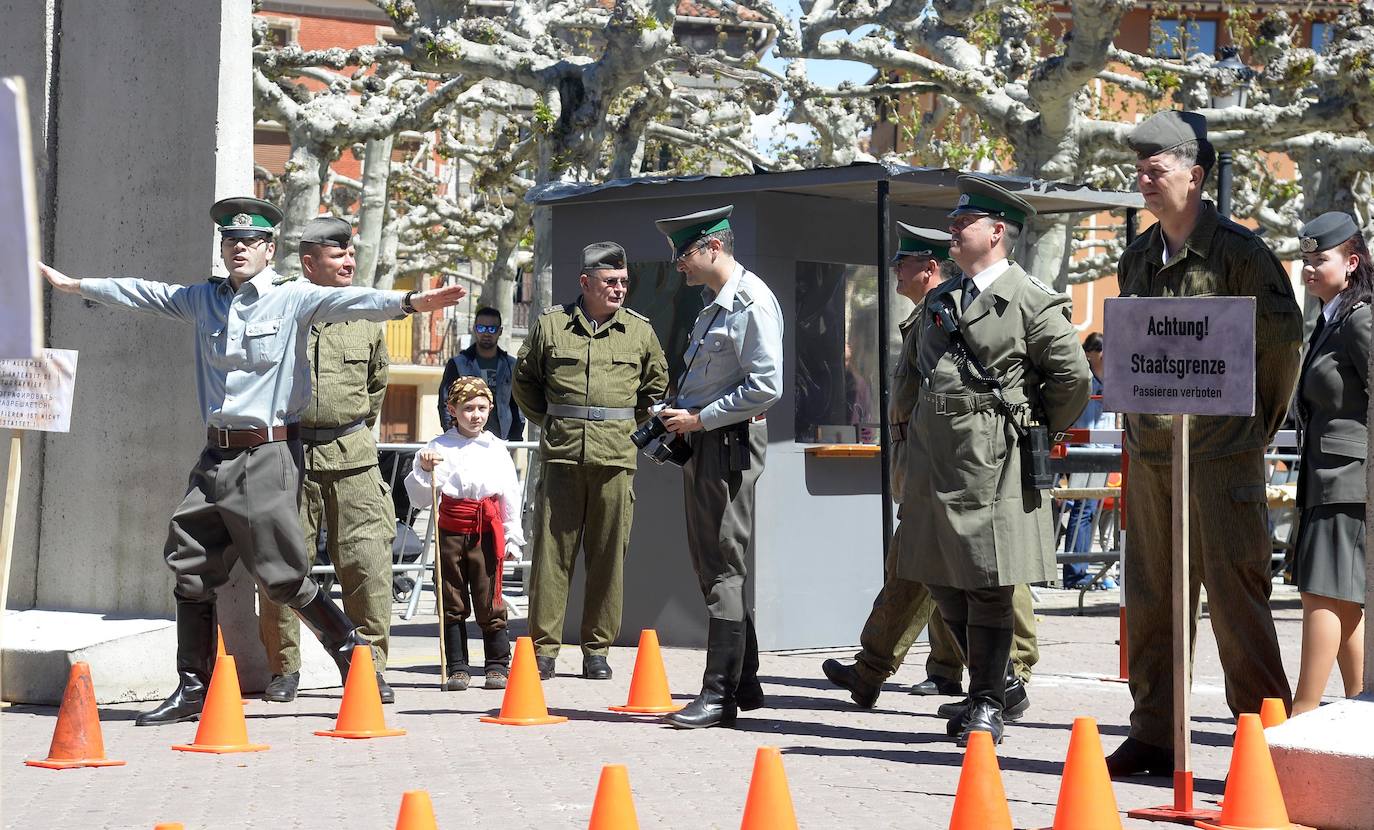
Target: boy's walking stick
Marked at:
438, 577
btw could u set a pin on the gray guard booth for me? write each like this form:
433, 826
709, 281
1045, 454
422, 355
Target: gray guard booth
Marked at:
817, 555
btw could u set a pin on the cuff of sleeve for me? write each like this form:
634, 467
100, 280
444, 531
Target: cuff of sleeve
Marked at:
711, 416
91, 288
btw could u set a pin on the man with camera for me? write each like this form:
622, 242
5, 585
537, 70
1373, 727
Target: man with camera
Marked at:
733, 374
1001, 371
587, 374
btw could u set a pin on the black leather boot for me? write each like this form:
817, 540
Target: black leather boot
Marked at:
195, 663
989, 649
749, 695
336, 632
716, 706
863, 693
456, 656
496, 649
1018, 701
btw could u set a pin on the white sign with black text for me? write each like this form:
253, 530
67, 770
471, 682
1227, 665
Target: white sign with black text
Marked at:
1179, 355
37, 393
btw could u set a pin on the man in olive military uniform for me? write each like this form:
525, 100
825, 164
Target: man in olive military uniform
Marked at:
242, 501
1193, 251
997, 357
902, 608
733, 375
342, 490
587, 374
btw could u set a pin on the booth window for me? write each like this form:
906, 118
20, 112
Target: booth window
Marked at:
837, 339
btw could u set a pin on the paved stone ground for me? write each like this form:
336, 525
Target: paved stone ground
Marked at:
887, 768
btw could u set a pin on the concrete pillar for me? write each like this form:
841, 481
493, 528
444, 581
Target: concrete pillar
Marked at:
143, 117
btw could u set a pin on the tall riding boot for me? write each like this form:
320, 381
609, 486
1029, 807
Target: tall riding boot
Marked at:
496, 649
195, 662
955, 725
715, 706
749, 695
336, 632
989, 649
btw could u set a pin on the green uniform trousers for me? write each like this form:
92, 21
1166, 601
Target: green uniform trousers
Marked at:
1229, 552
357, 513
902, 608
586, 506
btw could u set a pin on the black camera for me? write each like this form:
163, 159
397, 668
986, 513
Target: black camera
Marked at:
659, 444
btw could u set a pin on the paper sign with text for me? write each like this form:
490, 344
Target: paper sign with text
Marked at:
37, 393
1179, 355
21, 320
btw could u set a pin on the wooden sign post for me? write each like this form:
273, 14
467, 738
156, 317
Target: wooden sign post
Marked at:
1179, 357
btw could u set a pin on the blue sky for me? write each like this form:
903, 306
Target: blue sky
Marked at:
825, 73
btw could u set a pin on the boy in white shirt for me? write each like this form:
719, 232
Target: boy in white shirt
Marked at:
479, 521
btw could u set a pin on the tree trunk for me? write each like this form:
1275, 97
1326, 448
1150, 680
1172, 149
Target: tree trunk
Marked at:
1044, 249
498, 291
300, 201
387, 248
372, 214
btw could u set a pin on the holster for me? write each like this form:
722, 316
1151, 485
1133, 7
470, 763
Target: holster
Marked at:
735, 446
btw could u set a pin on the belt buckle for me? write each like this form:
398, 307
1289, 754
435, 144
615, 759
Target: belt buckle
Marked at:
222, 438
940, 404
596, 413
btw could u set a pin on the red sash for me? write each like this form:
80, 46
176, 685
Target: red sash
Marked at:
479, 516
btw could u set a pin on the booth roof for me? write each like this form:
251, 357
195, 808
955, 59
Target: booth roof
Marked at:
927, 187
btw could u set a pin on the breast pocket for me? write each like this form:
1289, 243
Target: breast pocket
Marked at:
566, 372
623, 374
262, 343
717, 349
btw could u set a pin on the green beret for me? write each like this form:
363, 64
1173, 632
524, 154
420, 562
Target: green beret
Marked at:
1327, 231
982, 196
924, 242
328, 230
682, 231
1166, 130
245, 216
602, 256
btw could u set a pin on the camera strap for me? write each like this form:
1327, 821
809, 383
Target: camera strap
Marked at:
948, 321
700, 341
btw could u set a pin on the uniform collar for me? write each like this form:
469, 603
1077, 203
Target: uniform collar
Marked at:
985, 278
1199, 241
262, 282
726, 298
579, 316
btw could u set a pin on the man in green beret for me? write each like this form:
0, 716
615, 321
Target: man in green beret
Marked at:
902, 607
1193, 251
733, 375
242, 503
587, 374
342, 491
997, 356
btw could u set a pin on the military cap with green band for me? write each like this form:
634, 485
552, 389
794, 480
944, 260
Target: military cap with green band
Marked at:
1327, 231
683, 231
245, 216
602, 256
980, 195
328, 230
923, 242
1164, 131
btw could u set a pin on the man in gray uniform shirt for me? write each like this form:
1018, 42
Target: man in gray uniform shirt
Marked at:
253, 380
733, 374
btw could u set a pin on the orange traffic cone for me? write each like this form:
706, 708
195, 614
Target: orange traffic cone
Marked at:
171, 825
222, 728
613, 809
980, 802
1086, 800
523, 704
77, 741
360, 711
769, 805
1273, 712
417, 813
649, 684
1253, 800
220, 651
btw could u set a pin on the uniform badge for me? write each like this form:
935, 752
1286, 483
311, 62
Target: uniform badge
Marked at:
1308, 244
963, 200
242, 220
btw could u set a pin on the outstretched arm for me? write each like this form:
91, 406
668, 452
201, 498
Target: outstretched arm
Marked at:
161, 298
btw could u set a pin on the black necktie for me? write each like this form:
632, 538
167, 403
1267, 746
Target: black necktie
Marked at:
1317, 329
970, 294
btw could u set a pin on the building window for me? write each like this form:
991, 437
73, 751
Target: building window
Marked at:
387, 36
1179, 38
1321, 37
281, 32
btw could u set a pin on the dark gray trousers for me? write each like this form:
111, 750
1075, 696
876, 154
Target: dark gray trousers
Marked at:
242, 505
720, 517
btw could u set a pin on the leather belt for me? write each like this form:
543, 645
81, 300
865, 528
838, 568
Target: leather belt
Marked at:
759, 418
237, 439
312, 435
959, 404
591, 413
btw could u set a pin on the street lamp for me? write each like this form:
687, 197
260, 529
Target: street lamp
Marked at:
1230, 95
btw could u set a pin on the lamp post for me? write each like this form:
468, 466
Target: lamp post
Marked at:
1232, 95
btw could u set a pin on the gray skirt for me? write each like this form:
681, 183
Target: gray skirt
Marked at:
1329, 557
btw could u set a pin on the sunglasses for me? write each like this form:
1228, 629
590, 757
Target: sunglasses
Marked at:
680, 257
614, 281
482, 328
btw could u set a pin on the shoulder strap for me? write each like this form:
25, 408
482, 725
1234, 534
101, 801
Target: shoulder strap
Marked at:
943, 312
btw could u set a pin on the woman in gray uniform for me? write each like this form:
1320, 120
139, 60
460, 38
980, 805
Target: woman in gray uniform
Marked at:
1333, 399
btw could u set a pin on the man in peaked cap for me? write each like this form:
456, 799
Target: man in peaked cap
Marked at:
587, 374
733, 375
903, 608
1193, 251
997, 357
244, 491
342, 490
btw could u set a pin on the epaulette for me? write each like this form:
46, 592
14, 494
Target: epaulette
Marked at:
281, 278
743, 297
1035, 281
1233, 226
635, 314
566, 308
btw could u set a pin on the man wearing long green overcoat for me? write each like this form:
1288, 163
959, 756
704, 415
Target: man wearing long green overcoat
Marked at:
997, 356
